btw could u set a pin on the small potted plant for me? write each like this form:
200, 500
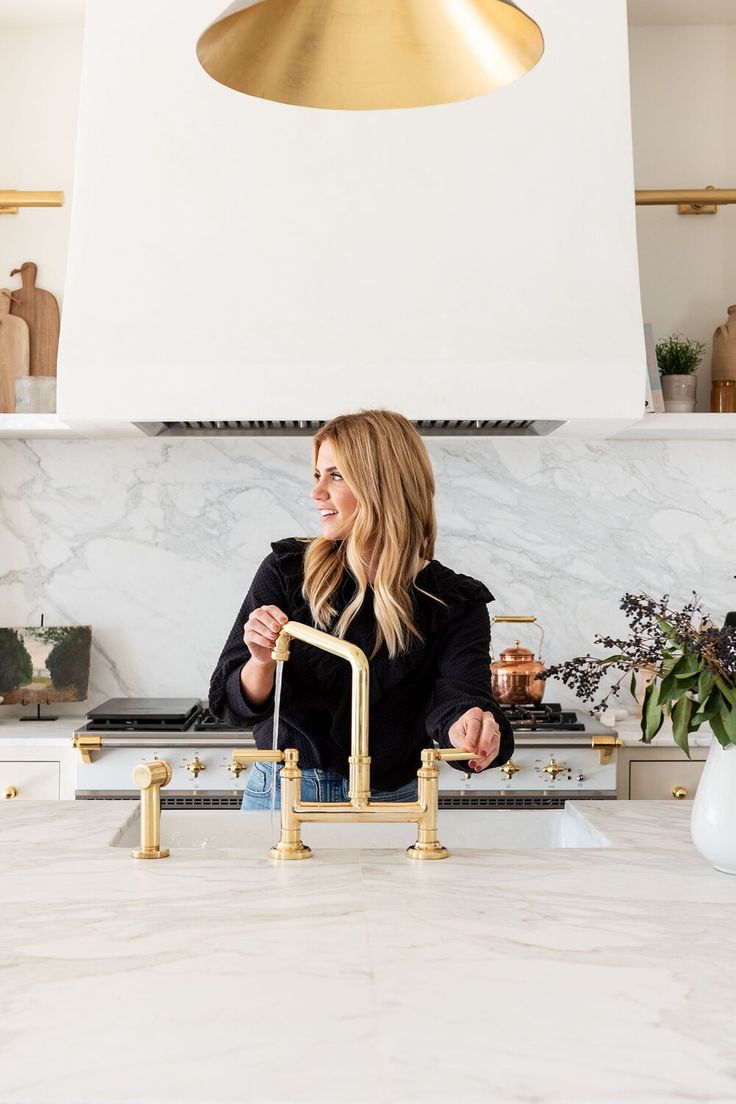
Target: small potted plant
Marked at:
677, 359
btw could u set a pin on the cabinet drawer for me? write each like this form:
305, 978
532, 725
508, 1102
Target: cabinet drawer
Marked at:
38, 781
655, 780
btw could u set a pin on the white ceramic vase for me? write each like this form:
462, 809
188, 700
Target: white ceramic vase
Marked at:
713, 819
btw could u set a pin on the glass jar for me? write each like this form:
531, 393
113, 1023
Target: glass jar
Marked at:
723, 397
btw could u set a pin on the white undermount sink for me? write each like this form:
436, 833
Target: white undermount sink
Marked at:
507, 829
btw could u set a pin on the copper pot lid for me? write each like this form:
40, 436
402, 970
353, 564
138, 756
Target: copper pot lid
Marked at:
516, 654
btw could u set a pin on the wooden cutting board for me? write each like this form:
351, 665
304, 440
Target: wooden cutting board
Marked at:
40, 311
14, 352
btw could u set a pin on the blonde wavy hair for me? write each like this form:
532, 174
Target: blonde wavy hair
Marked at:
384, 461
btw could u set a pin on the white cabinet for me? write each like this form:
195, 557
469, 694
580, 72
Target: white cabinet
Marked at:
659, 773
37, 781
37, 770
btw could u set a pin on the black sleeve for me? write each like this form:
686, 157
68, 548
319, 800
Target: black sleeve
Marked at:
464, 680
226, 699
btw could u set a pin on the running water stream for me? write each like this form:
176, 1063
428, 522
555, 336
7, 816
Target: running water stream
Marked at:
275, 773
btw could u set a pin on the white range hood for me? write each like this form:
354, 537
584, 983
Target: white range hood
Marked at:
237, 260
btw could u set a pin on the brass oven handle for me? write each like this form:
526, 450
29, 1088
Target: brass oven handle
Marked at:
606, 746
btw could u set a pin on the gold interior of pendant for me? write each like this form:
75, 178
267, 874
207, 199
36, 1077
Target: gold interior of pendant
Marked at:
368, 54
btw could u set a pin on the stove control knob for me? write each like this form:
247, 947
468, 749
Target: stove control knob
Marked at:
553, 768
235, 769
581, 776
196, 766
509, 769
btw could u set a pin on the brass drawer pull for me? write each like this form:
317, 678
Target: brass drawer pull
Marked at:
10, 791
679, 792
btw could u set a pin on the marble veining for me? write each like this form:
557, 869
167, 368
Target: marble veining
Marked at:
597, 976
154, 542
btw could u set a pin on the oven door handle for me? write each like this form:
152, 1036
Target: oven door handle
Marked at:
88, 742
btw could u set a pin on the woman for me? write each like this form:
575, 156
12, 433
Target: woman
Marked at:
369, 578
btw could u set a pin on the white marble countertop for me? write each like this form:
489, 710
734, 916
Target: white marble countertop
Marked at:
628, 728
58, 733
595, 975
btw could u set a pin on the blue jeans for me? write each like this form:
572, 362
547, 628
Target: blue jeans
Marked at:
317, 785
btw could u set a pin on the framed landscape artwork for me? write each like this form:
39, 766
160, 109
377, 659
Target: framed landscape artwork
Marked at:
44, 665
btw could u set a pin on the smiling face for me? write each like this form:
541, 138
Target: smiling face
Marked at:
332, 496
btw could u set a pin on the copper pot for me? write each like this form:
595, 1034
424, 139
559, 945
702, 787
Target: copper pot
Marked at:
512, 676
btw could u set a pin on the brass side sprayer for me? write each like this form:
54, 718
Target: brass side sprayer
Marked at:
295, 812
150, 777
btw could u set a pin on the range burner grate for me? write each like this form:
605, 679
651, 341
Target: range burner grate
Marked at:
140, 724
207, 722
543, 717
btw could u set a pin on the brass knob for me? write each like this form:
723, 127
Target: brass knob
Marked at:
510, 768
196, 766
679, 792
235, 769
553, 768
10, 791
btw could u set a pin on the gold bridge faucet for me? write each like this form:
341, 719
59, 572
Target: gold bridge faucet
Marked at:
295, 812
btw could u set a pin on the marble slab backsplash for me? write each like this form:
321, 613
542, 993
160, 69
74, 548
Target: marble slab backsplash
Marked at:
153, 543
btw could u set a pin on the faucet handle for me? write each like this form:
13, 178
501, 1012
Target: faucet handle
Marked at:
242, 756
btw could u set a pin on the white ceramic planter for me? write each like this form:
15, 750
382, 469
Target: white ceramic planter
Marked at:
713, 820
678, 392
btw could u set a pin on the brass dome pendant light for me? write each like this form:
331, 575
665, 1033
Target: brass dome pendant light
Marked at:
367, 54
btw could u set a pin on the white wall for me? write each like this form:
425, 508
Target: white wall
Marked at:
683, 87
40, 67
236, 258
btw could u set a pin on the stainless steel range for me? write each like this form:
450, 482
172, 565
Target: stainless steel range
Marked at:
560, 754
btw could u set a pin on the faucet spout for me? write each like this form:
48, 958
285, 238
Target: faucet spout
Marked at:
295, 812
360, 763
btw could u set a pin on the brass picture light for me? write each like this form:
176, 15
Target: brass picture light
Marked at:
370, 54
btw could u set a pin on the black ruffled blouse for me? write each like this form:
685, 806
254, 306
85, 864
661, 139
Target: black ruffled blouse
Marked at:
414, 698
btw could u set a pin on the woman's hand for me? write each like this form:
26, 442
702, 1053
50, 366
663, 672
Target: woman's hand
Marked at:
477, 730
261, 630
